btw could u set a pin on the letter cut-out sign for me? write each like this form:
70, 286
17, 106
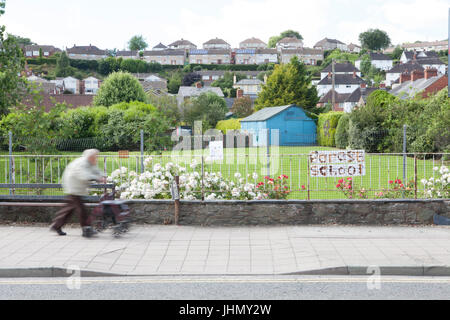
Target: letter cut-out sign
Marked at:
349, 163
216, 150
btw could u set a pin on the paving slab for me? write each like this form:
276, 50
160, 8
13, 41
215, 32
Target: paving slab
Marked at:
168, 250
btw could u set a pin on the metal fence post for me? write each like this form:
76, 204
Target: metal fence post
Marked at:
404, 157
415, 176
308, 175
142, 151
10, 159
268, 152
203, 178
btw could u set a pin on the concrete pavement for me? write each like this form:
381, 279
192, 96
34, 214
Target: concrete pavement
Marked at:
170, 250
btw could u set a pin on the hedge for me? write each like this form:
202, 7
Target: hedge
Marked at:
326, 128
341, 136
41, 61
227, 67
231, 124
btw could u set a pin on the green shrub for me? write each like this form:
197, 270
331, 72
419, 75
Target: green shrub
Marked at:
341, 136
327, 128
232, 124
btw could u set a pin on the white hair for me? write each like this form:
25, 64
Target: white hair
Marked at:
89, 153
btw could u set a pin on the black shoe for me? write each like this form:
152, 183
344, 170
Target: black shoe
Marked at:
58, 231
88, 232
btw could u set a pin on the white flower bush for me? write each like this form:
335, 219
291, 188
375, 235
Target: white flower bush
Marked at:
438, 187
156, 180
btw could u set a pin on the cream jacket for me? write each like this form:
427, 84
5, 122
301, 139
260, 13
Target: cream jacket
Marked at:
78, 176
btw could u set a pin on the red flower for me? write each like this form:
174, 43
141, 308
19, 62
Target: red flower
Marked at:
271, 180
391, 182
341, 181
338, 185
303, 187
267, 178
285, 176
401, 186
349, 179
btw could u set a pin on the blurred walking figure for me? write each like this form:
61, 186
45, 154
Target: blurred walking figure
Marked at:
76, 179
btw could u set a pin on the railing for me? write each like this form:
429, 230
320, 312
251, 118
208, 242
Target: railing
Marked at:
380, 170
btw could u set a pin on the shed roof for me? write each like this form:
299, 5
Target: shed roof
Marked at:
266, 113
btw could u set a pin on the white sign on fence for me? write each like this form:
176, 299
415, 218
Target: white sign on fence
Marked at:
350, 163
216, 150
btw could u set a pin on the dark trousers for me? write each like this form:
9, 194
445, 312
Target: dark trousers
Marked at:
74, 203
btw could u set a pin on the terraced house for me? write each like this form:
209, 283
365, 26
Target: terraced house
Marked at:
166, 57
34, 51
210, 56
306, 55
89, 52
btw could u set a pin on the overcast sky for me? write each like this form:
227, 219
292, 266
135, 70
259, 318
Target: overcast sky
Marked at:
110, 24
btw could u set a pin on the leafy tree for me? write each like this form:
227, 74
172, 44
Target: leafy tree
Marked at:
119, 87
63, 68
12, 62
288, 33
2, 7
366, 64
397, 54
226, 83
137, 43
167, 105
190, 78
109, 65
289, 84
174, 82
339, 57
242, 107
374, 39
208, 108
21, 41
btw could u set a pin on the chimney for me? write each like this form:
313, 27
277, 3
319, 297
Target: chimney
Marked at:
198, 85
404, 77
382, 85
416, 75
363, 85
239, 93
354, 74
329, 75
430, 72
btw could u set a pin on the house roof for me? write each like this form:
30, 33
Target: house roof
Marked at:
91, 50
266, 113
303, 51
257, 51
430, 61
182, 42
216, 41
193, 91
253, 41
409, 89
220, 73
342, 79
127, 53
352, 46
72, 100
168, 52
198, 52
248, 82
160, 46
406, 67
378, 56
356, 95
419, 54
341, 67
326, 40
339, 97
43, 47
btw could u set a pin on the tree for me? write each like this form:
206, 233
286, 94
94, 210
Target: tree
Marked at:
339, 57
226, 83
22, 41
289, 84
137, 43
63, 68
288, 33
119, 87
365, 65
2, 7
12, 62
208, 108
397, 54
242, 107
174, 83
374, 39
190, 78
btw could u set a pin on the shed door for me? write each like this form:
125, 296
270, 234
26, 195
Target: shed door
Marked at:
293, 130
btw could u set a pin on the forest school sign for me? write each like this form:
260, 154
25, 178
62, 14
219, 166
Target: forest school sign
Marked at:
337, 163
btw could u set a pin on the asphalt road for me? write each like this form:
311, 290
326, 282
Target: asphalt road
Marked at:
227, 288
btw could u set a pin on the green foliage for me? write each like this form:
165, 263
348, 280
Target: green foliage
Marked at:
366, 64
242, 107
137, 43
208, 108
63, 68
226, 125
174, 83
397, 54
109, 65
83, 122
289, 84
341, 135
226, 83
326, 128
12, 62
285, 34
21, 41
374, 39
119, 87
167, 105
2, 7
340, 57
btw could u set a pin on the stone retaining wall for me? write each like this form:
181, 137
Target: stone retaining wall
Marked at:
254, 213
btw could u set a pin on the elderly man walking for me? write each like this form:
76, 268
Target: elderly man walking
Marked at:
76, 180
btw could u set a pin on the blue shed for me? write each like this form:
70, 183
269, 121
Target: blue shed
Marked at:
294, 126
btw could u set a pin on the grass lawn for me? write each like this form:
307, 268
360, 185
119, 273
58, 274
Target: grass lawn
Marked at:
291, 161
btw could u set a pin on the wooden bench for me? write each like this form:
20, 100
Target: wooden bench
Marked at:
37, 200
